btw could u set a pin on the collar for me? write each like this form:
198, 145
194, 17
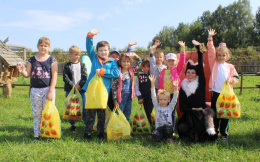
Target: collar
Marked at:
190, 87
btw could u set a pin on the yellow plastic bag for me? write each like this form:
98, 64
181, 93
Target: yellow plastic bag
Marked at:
50, 124
96, 96
153, 119
118, 127
73, 105
227, 104
108, 114
140, 123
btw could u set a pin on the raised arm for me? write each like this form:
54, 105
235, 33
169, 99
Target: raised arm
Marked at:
175, 84
130, 45
211, 48
89, 43
181, 62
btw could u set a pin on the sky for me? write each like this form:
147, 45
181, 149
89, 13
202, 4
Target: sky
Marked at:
67, 23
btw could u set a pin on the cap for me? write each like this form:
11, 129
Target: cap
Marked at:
171, 56
115, 51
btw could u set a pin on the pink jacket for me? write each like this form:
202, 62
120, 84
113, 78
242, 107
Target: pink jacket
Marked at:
131, 72
175, 71
213, 64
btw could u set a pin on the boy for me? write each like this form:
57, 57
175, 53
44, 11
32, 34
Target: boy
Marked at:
156, 63
163, 111
75, 73
106, 68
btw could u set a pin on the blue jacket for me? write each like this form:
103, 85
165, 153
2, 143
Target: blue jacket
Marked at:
109, 69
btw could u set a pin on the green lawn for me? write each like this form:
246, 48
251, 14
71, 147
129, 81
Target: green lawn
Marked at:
16, 136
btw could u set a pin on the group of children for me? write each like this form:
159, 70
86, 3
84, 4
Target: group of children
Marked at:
117, 71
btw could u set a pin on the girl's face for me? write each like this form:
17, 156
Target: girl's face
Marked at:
221, 56
171, 63
145, 68
43, 48
125, 63
191, 75
103, 52
163, 100
159, 59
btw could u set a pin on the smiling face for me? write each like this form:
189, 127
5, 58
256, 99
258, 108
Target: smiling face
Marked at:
43, 48
163, 100
191, 75
103, 51
145, 68
125, 63
221, 56
171, 63
159, 57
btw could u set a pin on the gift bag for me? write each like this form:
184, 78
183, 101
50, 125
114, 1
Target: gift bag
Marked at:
227, 105
50, 124
97, 95
140, 124
118, 127
73, 105
108, 114
153, 119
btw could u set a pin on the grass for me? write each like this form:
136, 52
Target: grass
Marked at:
16, 136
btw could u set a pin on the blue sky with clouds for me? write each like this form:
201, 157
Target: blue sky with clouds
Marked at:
66, 23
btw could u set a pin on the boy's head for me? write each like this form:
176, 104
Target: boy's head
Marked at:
145, 65
103, 49
171, 60
114, 54
163, 97
124, 61
223, 53
43, 45
159, 57
74, 53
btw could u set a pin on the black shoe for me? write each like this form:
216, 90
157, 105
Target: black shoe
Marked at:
87, 136
73, 128
101, 136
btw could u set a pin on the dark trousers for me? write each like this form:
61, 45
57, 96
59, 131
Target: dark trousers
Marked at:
163, 132
148, 108
91, 115
221, 124
110, 101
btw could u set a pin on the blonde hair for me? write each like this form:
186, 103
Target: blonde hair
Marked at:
163, 92
225, 50
159, 52
44, 40
74, 49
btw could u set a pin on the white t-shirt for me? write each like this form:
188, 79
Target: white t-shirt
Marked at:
76, 72
222, 75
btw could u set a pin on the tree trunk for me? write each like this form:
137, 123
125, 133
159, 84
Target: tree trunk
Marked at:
7, 89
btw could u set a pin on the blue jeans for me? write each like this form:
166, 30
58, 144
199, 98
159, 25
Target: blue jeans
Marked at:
84, 113
126, 104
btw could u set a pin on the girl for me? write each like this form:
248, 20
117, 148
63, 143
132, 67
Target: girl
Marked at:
172, 72
42, 68
142, 88
163, 119
220, 72
124, 93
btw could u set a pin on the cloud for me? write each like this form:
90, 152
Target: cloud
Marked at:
50, 20
104, 16
128, 4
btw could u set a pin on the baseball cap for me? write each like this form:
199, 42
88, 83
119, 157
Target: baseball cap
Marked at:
115, 51
171, 56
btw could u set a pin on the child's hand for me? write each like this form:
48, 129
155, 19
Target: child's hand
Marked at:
182, 44
98, 71
131, 44
157, 43
20, 67
116, 104
175, 83
140, 101
94, 32
132, 55
50, 95
196, 43
152, 78
211, 33
78, 87
229, 80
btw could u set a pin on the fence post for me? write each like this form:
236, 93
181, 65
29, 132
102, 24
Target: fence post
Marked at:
241, 83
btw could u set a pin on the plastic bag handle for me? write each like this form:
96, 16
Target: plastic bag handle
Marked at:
227, 86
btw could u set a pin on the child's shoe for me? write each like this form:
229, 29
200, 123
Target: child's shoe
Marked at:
36, 138
73, 128
224, 140
87, 136
101, 136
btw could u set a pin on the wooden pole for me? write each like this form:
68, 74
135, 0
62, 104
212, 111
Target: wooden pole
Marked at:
241, 83
7, 89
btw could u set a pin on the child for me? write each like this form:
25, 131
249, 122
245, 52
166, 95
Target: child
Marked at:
42, 68
106, 68
163, 110
142, 88
125, 83
75, 73
156, 63
115, 54
221, 72
172, 72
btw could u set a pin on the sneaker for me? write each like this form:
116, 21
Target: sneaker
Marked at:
101, 136
224, 139
87, 136
73, 128
36, 138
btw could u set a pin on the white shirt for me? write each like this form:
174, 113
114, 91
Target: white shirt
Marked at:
76, 72
222, 75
